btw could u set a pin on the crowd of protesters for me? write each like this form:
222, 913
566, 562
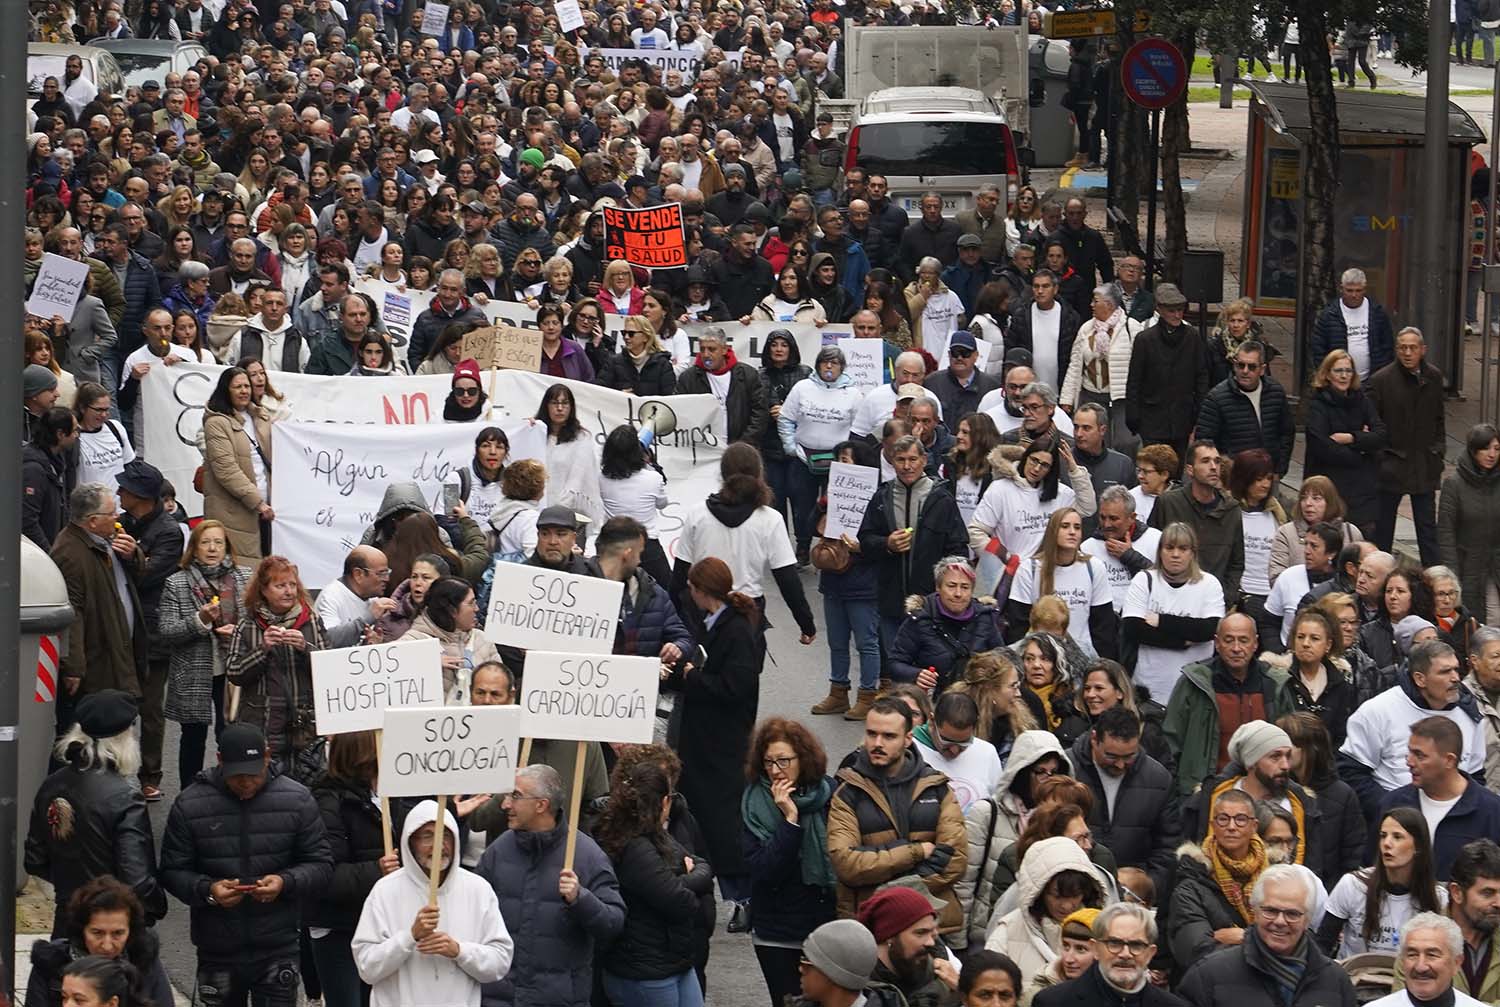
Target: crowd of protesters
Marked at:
1141, 724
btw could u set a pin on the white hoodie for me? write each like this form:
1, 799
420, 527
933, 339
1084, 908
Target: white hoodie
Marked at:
386, 953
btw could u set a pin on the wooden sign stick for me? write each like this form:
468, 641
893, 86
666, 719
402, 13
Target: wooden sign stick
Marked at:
574, 801
439, 838
525, 754
385, 802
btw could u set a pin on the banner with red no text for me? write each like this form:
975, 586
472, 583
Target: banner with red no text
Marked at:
651, 237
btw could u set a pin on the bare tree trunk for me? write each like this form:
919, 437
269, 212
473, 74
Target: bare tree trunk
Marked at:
1131, 130
1320, 170
1174, 143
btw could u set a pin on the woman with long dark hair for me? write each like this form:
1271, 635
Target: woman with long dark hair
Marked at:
237, 465
1367, 907
270, 662
450, 615
652, 960
784, 809
1405, 593
572, 463
716, 714
1023, 496
632, 485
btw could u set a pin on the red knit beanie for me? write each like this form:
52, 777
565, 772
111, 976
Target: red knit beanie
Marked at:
889, 912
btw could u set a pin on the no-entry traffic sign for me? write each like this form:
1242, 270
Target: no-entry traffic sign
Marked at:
1153, 73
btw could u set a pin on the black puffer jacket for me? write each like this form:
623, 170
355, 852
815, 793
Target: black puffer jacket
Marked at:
1228, 418
1342, 837
939, 532
661, 907
1145, 830
211, 834
929, 638
655, 377
1240, 977
351, 820
1354, 468
1195, 908
160, 538
778, 382
85, 823
49, 958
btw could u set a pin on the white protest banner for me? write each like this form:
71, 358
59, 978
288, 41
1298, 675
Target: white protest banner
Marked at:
532, 606
583, 697
329, 479
449, 750
352, 686
864, 361
569, 16
665, 59
173, 399
434, 19
58, 287
850, 488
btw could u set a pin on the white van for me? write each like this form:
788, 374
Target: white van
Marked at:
948, 140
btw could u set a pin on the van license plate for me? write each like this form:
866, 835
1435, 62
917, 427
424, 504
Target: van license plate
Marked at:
950, 203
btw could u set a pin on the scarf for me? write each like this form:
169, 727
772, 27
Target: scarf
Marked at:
1298, 812
296, 617
729, 364
763, 818
1285, 971
210, 582
1096, 368
1236, 877
638, 360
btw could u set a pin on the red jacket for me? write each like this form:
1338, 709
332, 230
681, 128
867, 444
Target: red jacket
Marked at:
634, 302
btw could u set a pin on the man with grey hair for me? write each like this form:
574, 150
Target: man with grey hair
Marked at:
565, 914
744, 405
1356, 324
1278, 964
240, 273
1038, 404
1123, 544
1124, 943
986, 222
101, 564
1429, 957
1483, 682
880, 404
1409, 397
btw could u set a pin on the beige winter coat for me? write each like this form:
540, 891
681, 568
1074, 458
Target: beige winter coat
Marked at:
229, 493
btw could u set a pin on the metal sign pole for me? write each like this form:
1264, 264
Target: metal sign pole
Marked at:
1487, 408
1151, 176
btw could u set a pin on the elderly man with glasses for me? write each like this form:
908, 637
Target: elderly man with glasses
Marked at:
1278, 964
1124, 940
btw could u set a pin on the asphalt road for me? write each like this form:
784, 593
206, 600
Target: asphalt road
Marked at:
795, 678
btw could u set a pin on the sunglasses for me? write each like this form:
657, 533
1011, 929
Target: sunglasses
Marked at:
962, 353
465, 393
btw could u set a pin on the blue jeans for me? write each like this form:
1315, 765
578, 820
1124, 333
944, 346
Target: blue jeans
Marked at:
336, 969
822, 197
861, 619
681, 990
806, 486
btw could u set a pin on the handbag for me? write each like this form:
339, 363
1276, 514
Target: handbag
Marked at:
829, 554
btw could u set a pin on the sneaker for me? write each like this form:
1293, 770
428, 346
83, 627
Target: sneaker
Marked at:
1271, 79
1093, 166
739, 920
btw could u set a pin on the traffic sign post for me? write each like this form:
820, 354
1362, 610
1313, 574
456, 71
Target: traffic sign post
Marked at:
1154, 76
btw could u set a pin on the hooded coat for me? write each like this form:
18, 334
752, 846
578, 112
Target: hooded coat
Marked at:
777, 383
817, 414
1196, 907
385, 951
994, 824
49, 958
931, 638
838, 304
1031, 943
1469, 527
877, 823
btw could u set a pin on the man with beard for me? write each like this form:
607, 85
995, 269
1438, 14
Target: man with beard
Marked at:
1134, 815
1458, 810
891, 815
908, 954
1431, 957
743, 277
1278, 965
1124, 944
1260, 764
524, 228
730, 205
1125, 545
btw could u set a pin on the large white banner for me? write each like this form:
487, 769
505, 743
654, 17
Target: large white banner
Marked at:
173, 400
328, 480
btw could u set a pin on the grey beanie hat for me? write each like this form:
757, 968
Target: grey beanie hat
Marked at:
844, 951
1404, 630
35, 380
1254, 740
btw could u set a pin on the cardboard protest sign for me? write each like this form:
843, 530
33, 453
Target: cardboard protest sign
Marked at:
864, 361
434, 19
850, 488
651, 237
504, 346
569, 15
449, 750
352, 686
58, 287
583, 697
533, 607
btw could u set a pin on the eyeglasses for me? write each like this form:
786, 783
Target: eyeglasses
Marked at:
784, 763
1238, 821
1114, 946
516, 795
1290, 915
1035, 408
